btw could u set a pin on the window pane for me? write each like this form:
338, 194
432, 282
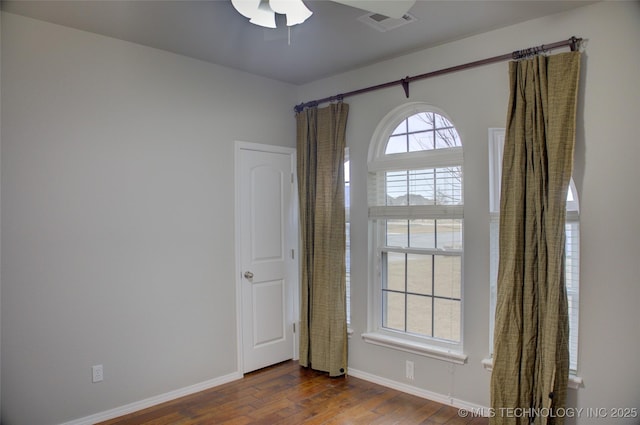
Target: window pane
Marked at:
449, 186
420, 122
422, 234
347, 171
446, 276
446, 319
421, 132
449, 234
396, 144
572, 261
401, 128
396, 187
570, 197
397, 233
442, 121
429, 186
421, 185
393, 309
572, 274
421, 141
395, 271
347, 231
347, 194
419, 273
572, 301
347, 259
447, 138
419, 314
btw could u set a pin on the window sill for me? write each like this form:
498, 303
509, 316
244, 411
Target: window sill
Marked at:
574, 383
415, 348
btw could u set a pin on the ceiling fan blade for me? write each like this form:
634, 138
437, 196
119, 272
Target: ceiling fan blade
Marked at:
391, 8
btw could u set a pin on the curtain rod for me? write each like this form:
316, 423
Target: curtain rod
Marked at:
573, 43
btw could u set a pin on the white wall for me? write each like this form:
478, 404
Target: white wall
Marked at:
606, 175
117, 243
117, 236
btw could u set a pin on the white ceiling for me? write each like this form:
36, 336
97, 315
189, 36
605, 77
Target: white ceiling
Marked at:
329, 42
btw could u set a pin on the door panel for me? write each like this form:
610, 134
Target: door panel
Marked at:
267, 233
269, 322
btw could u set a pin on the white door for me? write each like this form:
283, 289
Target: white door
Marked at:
267, 236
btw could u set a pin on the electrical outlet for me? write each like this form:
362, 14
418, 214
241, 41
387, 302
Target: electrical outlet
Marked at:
97, 373
409, 370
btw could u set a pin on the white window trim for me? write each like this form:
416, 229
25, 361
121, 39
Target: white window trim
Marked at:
424, 346
414, 347
425, 159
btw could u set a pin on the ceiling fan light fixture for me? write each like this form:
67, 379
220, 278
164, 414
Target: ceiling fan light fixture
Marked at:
262, 12
264, 16
246, 7
295, 10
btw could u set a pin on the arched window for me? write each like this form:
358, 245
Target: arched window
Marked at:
416, 219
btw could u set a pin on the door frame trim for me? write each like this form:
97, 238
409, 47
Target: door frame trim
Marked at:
295, 242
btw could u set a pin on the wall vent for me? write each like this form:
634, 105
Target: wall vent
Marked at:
384, 23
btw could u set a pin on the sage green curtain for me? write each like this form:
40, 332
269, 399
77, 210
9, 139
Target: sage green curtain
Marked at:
320, 157
531, 348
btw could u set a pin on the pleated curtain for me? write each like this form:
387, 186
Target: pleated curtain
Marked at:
320, 168
531, 336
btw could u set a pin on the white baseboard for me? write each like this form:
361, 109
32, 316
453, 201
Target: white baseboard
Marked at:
152, 401
172, 395
409, 389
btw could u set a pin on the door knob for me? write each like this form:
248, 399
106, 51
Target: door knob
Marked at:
248, 275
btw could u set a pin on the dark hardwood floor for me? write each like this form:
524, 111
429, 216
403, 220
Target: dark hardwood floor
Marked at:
289, 394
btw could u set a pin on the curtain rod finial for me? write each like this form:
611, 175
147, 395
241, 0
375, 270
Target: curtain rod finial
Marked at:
575, 43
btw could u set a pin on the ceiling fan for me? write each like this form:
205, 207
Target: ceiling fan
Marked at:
263, 12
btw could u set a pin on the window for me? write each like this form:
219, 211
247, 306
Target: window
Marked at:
416, 221
572, 247
347, 229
